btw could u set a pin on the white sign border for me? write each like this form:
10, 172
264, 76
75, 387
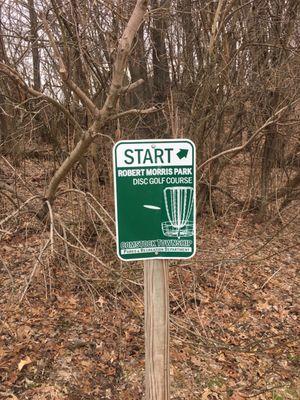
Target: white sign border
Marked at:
115, 195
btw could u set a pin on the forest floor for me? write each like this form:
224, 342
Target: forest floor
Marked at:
74, 329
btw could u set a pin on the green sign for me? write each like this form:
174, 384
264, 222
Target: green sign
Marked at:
155, 198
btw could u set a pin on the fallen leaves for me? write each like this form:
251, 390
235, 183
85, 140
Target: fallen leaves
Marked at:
206, 393
25, 361
237, 396
196, 361
60, 345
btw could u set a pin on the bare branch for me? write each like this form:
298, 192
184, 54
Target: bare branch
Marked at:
25, 203
74, 156
237, 149
34, 270
214, 29
123, 51
132, 86
64, 73
14, 75
109, 106
134, 111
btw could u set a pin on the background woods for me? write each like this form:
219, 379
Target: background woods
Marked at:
223, 73
75, 77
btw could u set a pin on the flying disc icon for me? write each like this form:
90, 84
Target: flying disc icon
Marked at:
179, 203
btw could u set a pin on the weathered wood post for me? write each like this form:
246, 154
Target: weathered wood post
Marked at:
156, 292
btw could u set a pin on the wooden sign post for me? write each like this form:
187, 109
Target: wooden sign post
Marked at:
156, 291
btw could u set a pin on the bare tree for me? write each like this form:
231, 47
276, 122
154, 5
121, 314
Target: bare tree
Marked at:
221, 72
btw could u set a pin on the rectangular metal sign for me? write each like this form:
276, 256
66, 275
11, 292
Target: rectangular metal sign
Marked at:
154, 183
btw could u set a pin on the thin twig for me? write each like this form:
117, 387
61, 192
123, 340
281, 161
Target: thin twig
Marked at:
51, 227
237, 149
4, 220
271, 277
134, 111
14, 75
34, 269
64, 73
8, 271
85, 194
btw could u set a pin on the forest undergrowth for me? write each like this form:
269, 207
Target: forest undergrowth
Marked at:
71, 322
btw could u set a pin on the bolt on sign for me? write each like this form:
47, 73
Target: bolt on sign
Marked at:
154, 183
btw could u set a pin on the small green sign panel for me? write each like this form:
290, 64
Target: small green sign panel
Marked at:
154, 182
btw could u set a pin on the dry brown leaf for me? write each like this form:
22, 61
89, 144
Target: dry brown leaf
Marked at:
236, 396
24, 332
196, 361
12, 397
2, 352
25, 361
263, 306
73, 301
205, 394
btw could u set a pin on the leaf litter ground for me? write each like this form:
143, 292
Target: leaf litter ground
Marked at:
77, 333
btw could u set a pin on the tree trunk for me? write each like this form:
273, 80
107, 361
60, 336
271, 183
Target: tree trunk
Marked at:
4, 122
161, 78
36, 63
138, 70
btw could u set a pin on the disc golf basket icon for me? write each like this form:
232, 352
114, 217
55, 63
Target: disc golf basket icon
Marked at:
179, 205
